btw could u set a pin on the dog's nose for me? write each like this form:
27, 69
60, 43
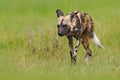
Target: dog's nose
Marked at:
60, 34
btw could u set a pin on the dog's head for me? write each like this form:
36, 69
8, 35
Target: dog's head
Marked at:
66, 23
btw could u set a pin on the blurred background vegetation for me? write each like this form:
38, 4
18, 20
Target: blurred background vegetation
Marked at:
31, 49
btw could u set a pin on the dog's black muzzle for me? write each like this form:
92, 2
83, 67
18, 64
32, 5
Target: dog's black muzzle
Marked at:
62, 30
60, 34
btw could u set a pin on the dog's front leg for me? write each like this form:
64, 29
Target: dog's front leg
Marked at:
76, 47
73, 58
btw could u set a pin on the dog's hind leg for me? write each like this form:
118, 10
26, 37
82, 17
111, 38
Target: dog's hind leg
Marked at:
85, 44
73, 58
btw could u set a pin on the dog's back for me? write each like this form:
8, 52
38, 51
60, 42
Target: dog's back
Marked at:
88, 28
86, 22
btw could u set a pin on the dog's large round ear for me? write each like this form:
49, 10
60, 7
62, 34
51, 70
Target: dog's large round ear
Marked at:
59, 13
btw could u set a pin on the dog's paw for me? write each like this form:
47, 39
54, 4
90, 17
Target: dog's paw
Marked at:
74, 54
88, 58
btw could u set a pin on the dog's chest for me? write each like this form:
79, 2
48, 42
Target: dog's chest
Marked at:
76, 33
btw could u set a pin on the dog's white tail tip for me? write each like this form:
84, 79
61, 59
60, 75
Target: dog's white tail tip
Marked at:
97, 41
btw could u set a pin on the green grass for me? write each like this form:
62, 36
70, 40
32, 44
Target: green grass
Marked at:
30, 48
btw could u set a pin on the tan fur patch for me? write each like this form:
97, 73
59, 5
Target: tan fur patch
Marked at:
60, 20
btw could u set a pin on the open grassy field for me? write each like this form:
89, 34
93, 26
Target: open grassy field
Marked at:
30, 48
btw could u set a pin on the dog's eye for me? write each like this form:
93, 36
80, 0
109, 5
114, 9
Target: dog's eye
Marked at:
64, 25
58, 25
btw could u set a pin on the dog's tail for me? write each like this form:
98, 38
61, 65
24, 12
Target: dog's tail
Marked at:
97, 41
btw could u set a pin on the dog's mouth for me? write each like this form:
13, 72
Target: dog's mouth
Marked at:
61, 34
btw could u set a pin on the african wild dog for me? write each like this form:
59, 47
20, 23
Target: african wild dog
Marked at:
80, 26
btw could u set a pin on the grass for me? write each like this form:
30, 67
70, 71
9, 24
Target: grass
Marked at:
30, 48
